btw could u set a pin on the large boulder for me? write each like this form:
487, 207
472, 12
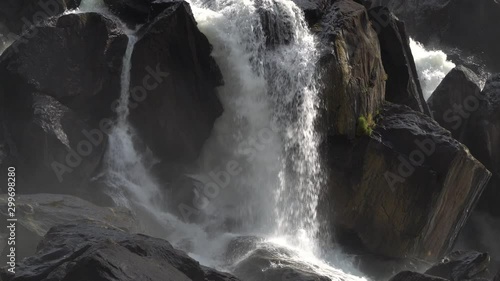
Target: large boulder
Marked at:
403, 86
407, 181
483, 136
454, 100
94, 251
38, 213
173, 81
467, 24
137, 11
353, 75
58, 87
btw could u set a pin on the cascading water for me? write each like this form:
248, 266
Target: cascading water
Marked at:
270, 100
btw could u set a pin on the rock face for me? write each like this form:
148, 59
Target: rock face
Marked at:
352, 72
39, 212
466, 24
457, 93
94, 251
21, 15
313, 9
473, 118
409, 182
403, 86
173, 82
55, 97
459, 266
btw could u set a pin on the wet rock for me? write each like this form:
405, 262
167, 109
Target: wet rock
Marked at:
173, 81
403, 86
275, 23
37, 213
96, 251
76, 59
313, 9
458, 92
461, 265
408, 182
258, 260
353, 75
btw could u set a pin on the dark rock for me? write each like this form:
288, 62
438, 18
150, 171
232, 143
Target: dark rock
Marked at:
497, 277
275, 24
57, 91
403, 86
482, 138
414, 276
458, 266
457, 92
48, 143
173, 82
352, 72
138, 11
77, 60
21, 15
409, 182
466, 24
313, 9
38, 213
95, 251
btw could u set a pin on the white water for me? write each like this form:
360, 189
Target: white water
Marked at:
432, 67
270, 102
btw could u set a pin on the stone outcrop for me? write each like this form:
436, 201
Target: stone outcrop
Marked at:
403, 85
38, 213
56, 102
352, 72
87, 250
454, 100
408, 182
473, 118
459, 265
173, 81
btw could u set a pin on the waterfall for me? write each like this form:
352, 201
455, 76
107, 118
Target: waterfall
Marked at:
270, 101
267, 128
432, 67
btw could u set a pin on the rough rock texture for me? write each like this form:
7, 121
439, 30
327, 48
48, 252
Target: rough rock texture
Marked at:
53, 98
455, 99
38, 213
458, 266
466, 24
482, 138
403, 86
85, 251
414, 276
352, 72
409, 183
77, 59
21, 15
275, 24
173, 79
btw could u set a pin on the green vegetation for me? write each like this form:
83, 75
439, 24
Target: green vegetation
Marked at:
365, 125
